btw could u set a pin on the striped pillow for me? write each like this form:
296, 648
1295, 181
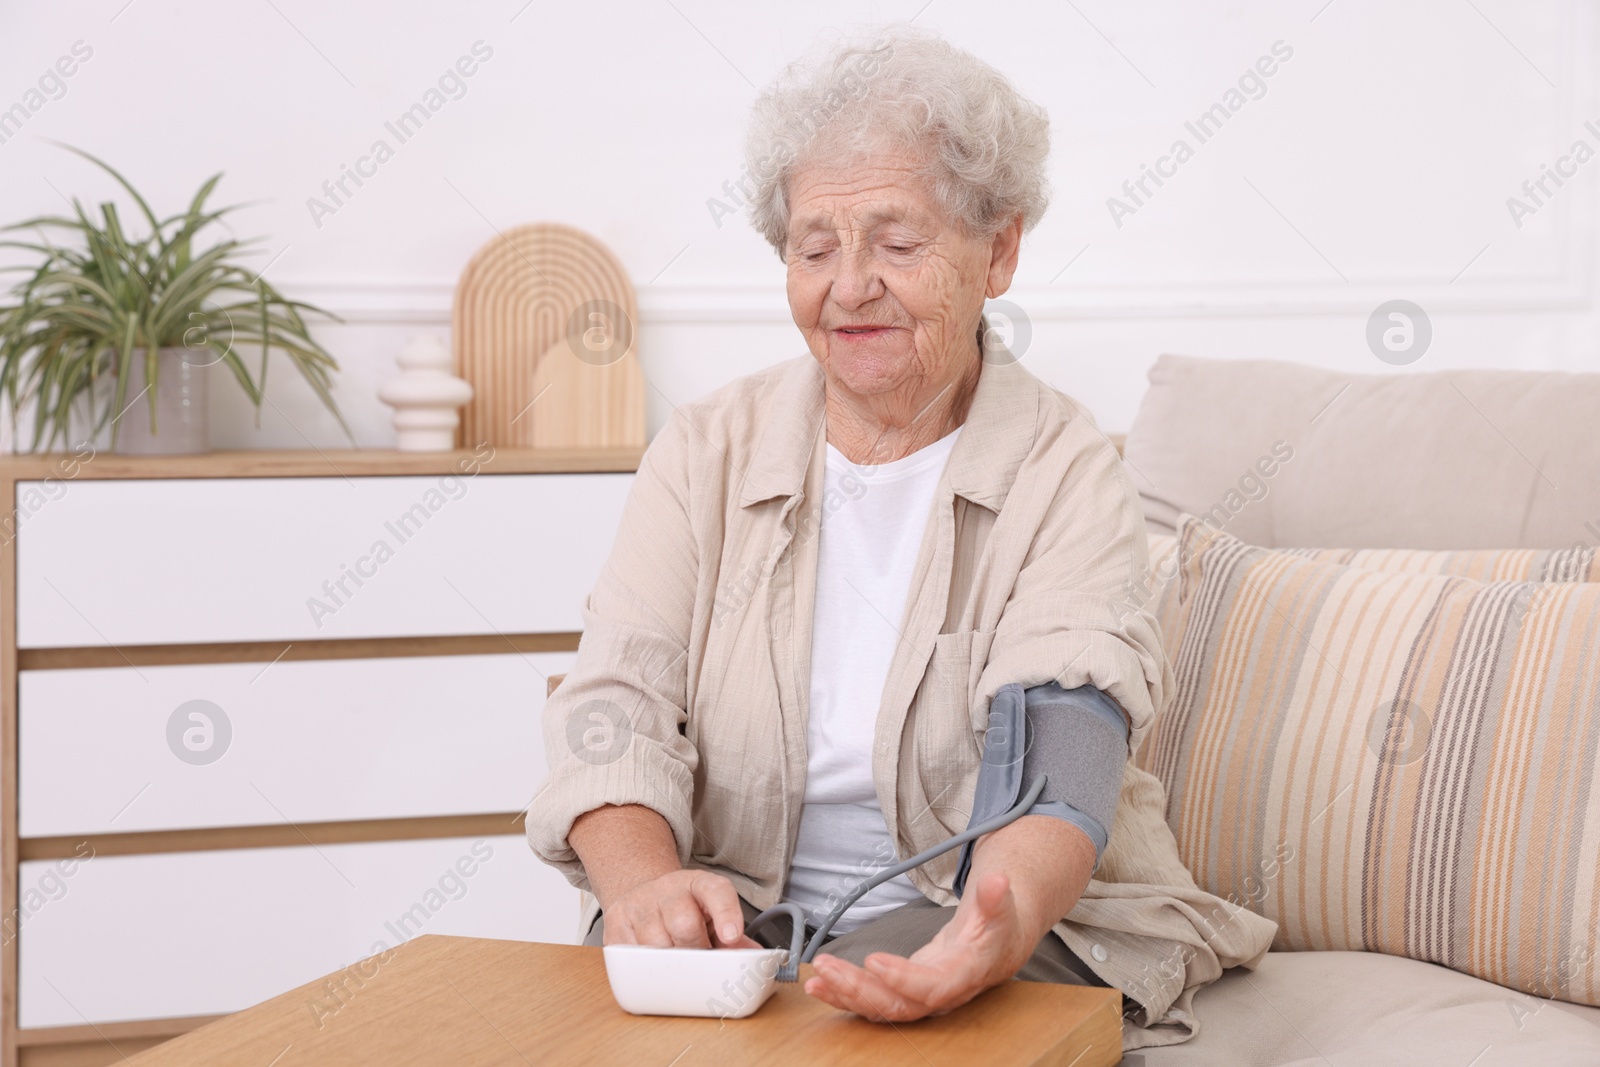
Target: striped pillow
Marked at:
1580, 563
1389, 761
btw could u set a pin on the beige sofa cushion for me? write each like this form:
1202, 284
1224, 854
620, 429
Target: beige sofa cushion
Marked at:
1580, 563
1395, 762
1315, 1009
1282, 454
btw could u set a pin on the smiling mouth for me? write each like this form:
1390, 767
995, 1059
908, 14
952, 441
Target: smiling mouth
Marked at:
862, 331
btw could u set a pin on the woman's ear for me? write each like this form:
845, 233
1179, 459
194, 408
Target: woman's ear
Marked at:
1003, 251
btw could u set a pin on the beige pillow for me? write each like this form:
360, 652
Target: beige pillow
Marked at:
1389, 761
1282, 453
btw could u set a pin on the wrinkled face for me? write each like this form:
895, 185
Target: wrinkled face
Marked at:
885, 287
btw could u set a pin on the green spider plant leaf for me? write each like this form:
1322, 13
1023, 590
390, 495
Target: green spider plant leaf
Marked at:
99, 296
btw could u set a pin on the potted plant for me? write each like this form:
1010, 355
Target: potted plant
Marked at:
143, 320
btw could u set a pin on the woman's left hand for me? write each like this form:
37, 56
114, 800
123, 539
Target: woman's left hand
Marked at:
985, 943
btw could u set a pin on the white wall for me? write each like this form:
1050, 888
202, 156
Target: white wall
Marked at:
1376, 165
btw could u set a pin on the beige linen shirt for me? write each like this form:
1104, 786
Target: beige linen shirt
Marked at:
688, 694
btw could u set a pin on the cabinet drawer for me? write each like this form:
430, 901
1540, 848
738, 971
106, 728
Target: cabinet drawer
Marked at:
180, 561
139, 937
313, 741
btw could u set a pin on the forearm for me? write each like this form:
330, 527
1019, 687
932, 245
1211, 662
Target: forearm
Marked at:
622, 846
1048, 861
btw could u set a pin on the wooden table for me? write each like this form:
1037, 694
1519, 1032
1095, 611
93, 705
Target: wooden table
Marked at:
460, 1000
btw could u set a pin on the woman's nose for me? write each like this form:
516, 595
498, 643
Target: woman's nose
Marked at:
856, 280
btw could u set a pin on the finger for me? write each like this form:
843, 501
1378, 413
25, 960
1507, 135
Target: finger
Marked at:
869, 997
853, 989
934, 986
619, 931
648, 929
720, 902
953, 981
987, 909
684, 922
994, 895
837, 988
715, 939
820, 988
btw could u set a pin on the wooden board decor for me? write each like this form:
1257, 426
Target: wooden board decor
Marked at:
545, 328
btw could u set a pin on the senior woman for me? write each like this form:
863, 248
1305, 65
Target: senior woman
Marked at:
825, 572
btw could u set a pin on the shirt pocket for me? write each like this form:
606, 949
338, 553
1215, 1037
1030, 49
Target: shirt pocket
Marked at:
950, 685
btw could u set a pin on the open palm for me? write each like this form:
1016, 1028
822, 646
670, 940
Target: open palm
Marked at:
983, 944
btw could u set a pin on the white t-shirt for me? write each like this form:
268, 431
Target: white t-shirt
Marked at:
873, 521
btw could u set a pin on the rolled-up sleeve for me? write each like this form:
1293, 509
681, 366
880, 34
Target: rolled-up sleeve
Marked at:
1075, 614
612, 729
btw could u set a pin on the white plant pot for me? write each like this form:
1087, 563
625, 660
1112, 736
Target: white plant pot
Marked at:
180, 425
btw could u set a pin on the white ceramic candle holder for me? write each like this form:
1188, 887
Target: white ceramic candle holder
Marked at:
426, 397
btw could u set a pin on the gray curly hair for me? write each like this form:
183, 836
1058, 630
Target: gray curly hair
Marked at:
983, 144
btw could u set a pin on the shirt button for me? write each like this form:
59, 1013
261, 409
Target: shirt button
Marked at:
1099, 953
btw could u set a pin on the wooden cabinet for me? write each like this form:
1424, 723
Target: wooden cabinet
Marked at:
263, 711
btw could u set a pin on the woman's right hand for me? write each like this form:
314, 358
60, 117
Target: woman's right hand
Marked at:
680, 909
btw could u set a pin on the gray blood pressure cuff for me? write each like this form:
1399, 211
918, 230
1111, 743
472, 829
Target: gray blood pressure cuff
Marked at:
1078, 738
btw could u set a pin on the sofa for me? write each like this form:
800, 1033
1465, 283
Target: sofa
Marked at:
1381, 596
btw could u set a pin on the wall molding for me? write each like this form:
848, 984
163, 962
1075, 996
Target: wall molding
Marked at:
429, 302
1565, 281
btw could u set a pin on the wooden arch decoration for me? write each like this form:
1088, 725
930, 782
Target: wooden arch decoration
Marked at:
545, 327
